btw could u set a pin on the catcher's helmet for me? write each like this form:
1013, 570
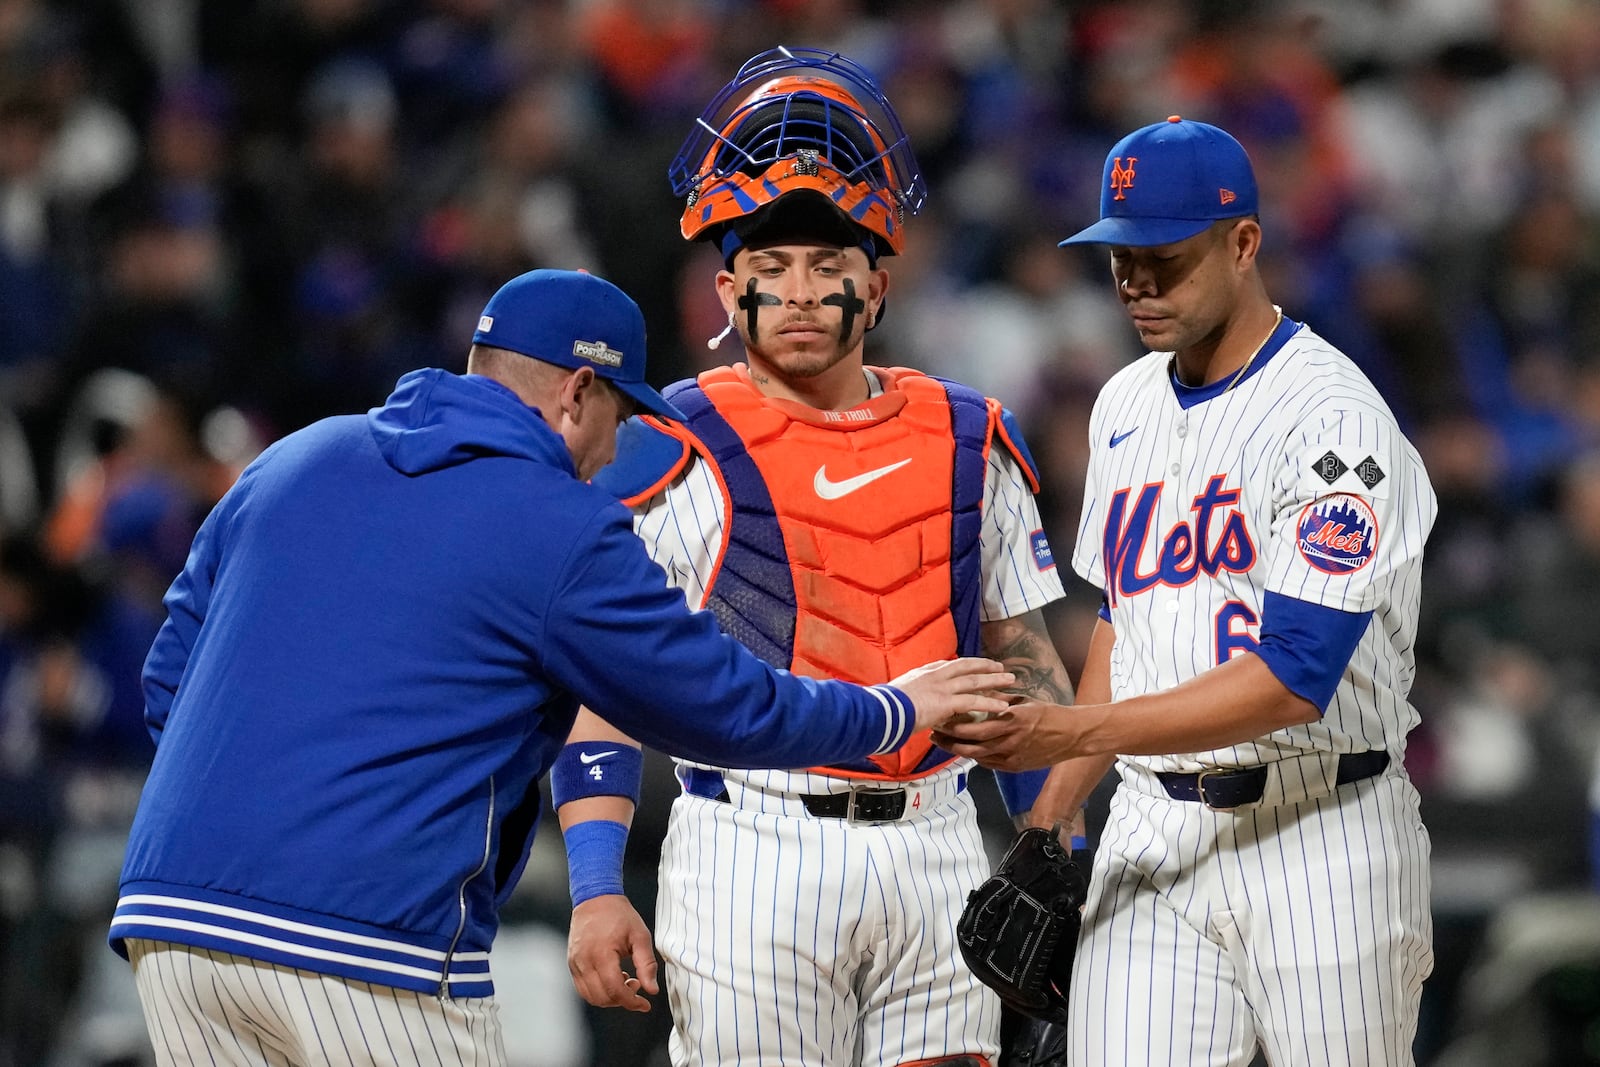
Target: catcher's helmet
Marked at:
815, 122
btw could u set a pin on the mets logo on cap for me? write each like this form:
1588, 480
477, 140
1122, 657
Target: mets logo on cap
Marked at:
1338, 534
1122, 175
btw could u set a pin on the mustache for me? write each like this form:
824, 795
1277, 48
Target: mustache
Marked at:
803, 318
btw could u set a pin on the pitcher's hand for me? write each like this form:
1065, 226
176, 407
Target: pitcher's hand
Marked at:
1028, 736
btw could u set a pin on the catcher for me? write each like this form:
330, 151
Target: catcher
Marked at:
836, 518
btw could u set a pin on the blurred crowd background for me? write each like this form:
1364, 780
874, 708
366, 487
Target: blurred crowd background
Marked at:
221, 221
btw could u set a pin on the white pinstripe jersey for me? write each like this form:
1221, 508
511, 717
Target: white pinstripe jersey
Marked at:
1297, 481
682, 529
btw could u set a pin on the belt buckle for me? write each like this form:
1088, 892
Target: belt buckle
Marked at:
852, 813
1200, 788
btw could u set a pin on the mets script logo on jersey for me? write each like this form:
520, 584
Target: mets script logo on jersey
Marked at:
1338, 534
1122, 176
1216, 540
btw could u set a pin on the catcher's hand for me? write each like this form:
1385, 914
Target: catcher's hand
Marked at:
1019, 929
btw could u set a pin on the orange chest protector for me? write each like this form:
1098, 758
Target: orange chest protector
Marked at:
850, 544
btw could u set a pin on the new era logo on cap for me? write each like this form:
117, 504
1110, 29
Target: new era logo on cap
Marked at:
1189, 175
485, 323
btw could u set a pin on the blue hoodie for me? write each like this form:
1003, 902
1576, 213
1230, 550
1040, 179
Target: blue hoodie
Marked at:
376, 649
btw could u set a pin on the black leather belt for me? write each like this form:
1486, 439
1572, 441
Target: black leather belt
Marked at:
1233, 789
858, 805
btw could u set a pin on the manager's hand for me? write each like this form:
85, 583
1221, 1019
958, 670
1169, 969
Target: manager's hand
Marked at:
606, 935
1023, 737
955, 687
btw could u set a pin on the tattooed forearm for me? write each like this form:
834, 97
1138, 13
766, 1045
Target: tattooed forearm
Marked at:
1073, 824
1024, 646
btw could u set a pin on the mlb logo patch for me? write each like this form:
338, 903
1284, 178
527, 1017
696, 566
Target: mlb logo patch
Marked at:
1042, 558
1338, 534
485, 323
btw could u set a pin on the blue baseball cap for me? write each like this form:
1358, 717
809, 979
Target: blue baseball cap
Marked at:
574, 319
1166, 182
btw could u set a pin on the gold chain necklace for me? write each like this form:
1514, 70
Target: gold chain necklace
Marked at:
1240, 373
1172, 364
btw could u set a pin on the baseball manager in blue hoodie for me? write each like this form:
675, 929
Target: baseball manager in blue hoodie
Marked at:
372, 656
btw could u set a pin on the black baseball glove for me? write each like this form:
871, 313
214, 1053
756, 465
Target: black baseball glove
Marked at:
1029, 1042
1019, 929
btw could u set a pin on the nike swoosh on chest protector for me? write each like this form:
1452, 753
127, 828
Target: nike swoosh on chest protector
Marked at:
828, 489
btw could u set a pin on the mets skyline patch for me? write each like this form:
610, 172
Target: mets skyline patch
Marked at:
1338, 534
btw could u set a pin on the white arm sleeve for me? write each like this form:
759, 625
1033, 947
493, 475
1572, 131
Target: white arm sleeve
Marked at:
1019, 571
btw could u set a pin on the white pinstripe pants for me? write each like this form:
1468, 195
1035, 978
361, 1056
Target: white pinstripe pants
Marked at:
789, 939
213, 1008
1304, 927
